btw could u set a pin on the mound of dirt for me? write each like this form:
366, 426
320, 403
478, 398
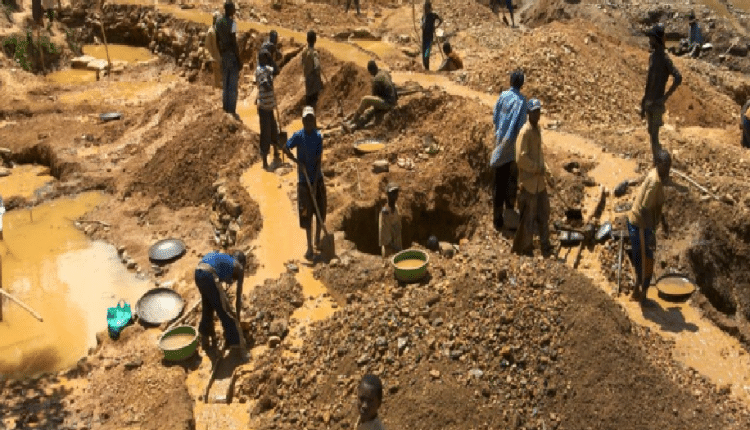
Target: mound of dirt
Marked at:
487, 341
348, 84
182, 171
267, 309
557, 60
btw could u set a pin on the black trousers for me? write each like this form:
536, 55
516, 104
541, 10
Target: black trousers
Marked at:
504, 191
211, 302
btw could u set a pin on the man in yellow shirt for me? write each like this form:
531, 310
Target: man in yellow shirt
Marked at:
642, 220
533, 201
389, 224
213, 49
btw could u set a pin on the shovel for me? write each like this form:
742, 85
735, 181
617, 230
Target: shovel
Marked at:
326, 246
570, 212
281, 137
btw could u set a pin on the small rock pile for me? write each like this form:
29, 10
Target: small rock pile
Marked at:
226, 216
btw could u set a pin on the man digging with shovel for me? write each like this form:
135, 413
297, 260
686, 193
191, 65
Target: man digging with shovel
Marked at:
642, 220
311, 191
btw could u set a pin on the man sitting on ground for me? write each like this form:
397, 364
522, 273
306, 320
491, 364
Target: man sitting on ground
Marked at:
383, 98
452, 60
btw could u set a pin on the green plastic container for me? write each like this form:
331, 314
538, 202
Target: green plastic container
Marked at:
410, 274
182, 352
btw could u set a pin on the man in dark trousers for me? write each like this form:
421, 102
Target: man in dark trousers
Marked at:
226, 39
311, 70
509, 117
216, 267
384, 96
356, 4
429, 25
309, 144
660, 67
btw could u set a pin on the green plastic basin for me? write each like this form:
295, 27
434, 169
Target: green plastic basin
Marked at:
410, 274
181, 352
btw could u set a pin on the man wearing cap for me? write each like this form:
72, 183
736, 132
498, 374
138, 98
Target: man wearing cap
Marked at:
216, 267
309, 144
389, 224
643, 218
509, 116
311, 70
383, 98
226, 39
266, 102
213, 49
660, 67
533, 201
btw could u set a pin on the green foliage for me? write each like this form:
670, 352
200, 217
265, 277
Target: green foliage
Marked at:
76, 48
22, 48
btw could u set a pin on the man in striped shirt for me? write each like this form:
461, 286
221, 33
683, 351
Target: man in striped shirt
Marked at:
509, 116
266, 102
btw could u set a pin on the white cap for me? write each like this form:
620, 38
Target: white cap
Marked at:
308, 110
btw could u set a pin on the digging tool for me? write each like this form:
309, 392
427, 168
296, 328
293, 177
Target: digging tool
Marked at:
570, 212
643, 263
281, 136
692, 182
26, 307
619, 262
104, 37
184, 315
326, 246
588, 233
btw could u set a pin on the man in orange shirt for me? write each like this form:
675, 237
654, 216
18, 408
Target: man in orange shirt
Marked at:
452, 61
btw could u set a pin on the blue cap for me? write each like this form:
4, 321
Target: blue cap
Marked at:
534, 104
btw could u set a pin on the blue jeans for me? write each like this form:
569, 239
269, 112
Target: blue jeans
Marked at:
230, 79
211, 301
635, 242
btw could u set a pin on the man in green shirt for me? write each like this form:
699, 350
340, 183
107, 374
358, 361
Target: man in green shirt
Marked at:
383, 98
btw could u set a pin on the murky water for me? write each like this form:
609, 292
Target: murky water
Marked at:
70, 281
24, 180
410, 264
72, 76
131, 54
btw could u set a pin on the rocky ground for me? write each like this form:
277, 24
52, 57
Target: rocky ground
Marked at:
488, 340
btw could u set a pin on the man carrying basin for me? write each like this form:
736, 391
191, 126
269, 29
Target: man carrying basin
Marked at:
642, 220
216, 267
309, 144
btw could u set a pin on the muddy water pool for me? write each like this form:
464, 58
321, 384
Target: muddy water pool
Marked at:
24, 180
69, 280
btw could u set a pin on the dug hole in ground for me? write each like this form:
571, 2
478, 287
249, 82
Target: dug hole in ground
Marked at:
487, 340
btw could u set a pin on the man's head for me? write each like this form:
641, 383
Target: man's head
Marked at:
372, 67
240, 257
273, 37
447, 48
311, 38
516, 79
427, 7
535, 111
691, 17
392, 192
663, 164
369, 397
229, 9
217, 16
308, 119
656, 36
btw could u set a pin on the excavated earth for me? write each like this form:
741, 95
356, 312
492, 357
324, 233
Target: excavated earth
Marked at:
488, 339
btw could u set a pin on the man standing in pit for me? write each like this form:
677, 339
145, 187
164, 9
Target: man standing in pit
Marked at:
226, 38
213, 49
509, 117
660, 67
389, 224
642, 221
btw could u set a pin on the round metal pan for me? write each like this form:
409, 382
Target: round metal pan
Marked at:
112, 116
675, 287
366, 146
166, 250
159, 305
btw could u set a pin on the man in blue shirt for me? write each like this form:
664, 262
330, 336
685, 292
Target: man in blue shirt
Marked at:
213, 268
509, 116
695, 39
309, 144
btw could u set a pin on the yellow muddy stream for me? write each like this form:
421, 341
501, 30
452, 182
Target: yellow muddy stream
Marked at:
68, 280
130, 54
24, 180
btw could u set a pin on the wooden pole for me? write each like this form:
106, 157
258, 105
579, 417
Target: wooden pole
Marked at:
1, 286
104, 36
26, 307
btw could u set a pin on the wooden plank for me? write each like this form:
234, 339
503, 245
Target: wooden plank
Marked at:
26, 307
